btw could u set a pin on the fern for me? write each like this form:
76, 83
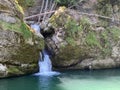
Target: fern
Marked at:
66, 2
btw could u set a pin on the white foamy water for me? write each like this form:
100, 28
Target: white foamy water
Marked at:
45, 66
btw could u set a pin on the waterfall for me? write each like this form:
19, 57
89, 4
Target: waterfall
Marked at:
45, 66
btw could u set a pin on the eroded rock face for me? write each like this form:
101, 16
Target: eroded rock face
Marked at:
19, 53
84, 41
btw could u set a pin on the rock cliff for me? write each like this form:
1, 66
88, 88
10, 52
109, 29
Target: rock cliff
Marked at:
19, 47
86, 38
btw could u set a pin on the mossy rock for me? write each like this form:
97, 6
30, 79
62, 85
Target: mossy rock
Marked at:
19, 45
69, 55
12, 70
83, 39
26, 3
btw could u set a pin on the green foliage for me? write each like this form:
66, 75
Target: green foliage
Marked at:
20, 27
85, 21
75, 29
70, 52
91, 40
25, 31
26, 3
104, 7
106, 46
115, 33
13, 70
72, 30
70, 41
66, 2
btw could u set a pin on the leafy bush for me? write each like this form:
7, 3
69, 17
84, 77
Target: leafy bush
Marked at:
66, 2
115, 33
72, 30
26, 3
92, 40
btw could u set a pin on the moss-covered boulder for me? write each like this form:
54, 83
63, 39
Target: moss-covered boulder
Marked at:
19, 46
81, 41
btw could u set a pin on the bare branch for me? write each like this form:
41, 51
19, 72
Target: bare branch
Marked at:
50, 4
100, 16
52, 8
41, 10
75, 4
41, 14
46, 5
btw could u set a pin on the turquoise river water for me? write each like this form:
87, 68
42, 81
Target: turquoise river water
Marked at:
68, 80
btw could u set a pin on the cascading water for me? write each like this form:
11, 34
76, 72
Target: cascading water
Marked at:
45, 66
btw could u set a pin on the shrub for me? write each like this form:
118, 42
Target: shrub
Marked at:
66, 2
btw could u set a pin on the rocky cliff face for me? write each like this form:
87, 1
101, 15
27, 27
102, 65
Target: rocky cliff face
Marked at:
88, 38
19, 47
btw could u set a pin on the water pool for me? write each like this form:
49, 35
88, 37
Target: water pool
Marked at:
68, 80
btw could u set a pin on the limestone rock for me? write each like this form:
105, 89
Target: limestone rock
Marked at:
83, 41
19, 47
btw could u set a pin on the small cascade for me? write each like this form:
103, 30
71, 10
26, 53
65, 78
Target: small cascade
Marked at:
45, 66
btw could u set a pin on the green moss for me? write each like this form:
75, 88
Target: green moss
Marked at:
92, 40
26, 3
19, 27
14, 70
59, 18
41, 44
75, 29
71, 53
104, 23
25, 30
106, 46
115, 33
80, 34
66, 2
26, 54
72, 30
104, 7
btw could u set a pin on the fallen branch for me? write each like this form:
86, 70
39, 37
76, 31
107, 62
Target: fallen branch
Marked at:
100, 16
41, 14
82, 13
75, 4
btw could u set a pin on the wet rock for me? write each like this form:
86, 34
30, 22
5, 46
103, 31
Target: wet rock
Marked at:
19, 47
3, 70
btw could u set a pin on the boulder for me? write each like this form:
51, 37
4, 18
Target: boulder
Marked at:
19, 47
83, 40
